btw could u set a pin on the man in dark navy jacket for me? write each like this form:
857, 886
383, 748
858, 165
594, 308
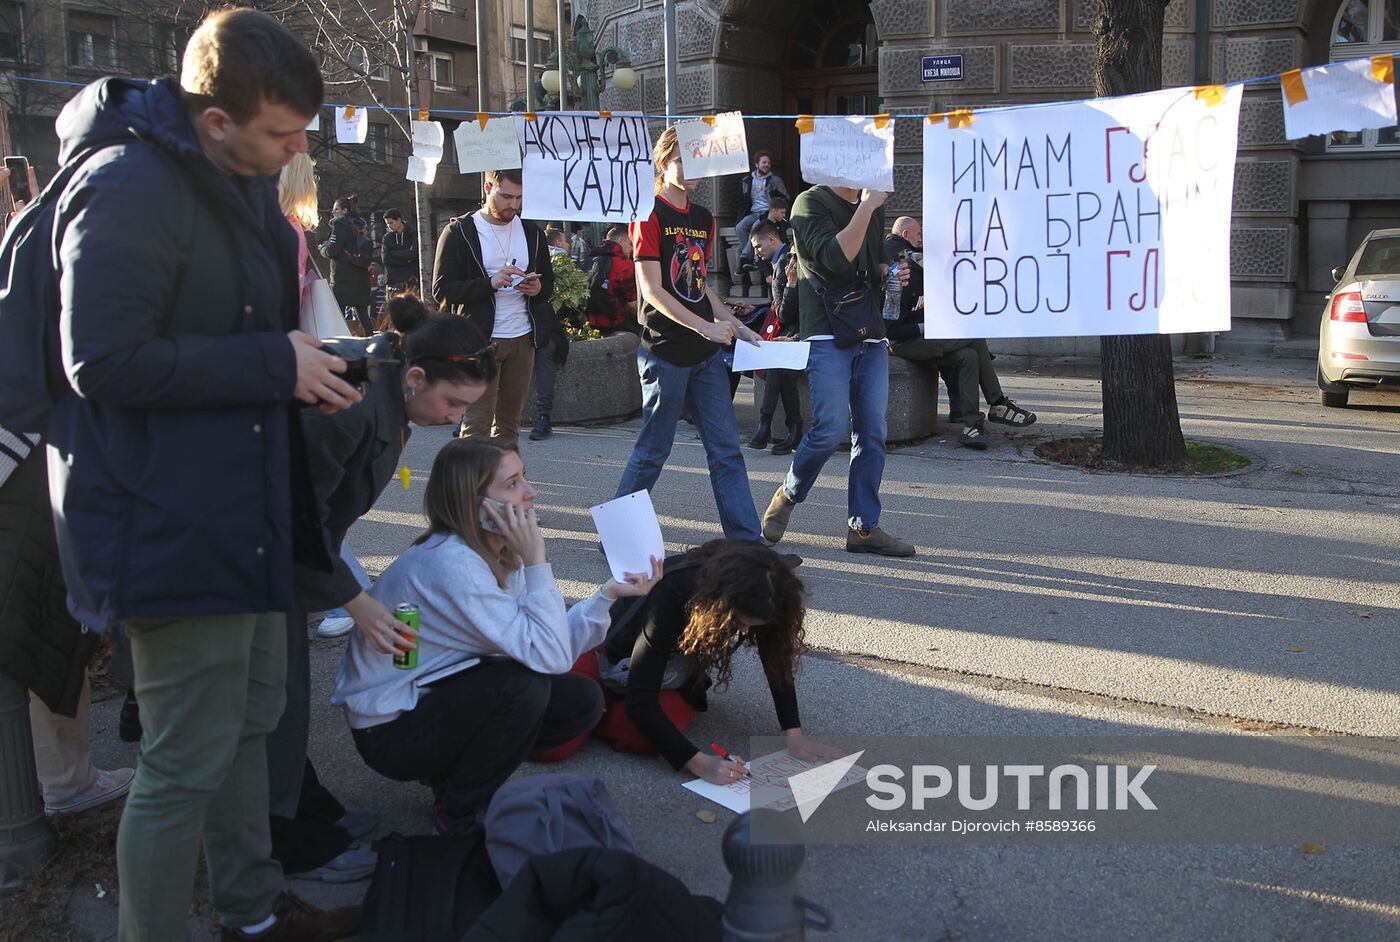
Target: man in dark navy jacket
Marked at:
172, 465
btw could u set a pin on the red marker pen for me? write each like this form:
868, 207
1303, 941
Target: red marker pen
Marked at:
719, 750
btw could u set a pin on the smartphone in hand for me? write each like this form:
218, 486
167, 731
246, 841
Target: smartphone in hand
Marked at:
19, 179
484, 518
518, 280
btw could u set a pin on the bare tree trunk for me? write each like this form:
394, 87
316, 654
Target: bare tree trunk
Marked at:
1141, 424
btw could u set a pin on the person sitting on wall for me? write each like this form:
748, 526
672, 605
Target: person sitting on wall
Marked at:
756, 192
965, 365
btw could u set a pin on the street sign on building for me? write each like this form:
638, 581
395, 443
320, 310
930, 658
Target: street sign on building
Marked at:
943, 68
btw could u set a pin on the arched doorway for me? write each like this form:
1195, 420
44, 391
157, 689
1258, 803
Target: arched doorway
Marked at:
830, 69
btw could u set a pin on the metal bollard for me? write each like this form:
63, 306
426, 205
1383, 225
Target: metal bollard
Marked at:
763, 905
26, 840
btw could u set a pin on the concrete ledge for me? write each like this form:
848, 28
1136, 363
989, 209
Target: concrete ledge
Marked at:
913, 407
599, 383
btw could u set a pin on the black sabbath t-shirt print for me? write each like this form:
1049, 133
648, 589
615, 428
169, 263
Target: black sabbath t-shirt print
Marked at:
679, 240
688, 268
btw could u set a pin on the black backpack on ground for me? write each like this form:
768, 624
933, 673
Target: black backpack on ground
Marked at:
428, 888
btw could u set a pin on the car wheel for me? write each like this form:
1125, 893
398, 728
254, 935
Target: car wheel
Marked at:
1334, 395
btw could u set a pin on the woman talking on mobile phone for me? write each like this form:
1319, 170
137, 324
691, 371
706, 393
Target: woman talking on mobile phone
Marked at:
495, 642
441, 364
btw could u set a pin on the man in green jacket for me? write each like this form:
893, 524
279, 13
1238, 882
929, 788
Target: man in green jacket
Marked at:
838, 233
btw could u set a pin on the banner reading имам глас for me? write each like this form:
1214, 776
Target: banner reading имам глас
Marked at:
1082, 219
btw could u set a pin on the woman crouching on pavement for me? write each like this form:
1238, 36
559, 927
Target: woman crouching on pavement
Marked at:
655, 666
441, 364
484, 591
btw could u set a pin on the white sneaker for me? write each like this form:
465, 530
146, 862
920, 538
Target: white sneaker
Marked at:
356, 863
334, 627
108, 786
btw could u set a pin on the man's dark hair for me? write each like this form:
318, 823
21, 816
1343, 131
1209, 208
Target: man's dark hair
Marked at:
763, 229
392, 214
556, 237
759, 155
777, 201
238, 58
494, 177
616, 232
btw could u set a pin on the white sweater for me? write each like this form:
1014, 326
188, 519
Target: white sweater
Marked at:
463, 613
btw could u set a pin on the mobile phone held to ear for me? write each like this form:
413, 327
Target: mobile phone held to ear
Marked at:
484, 518
19, 179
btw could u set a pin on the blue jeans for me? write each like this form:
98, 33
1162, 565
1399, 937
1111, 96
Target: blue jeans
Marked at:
703, 391
854, 382
742, 229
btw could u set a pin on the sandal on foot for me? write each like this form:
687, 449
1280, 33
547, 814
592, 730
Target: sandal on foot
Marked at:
1008, 413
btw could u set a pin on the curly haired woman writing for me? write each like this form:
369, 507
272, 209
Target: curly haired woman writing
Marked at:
656, 667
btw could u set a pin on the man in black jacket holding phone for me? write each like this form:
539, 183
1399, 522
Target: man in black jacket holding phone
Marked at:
493, 267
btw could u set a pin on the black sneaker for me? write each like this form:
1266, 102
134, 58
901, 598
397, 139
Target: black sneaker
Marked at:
1007, 412
542, 429
129, 722
973, 436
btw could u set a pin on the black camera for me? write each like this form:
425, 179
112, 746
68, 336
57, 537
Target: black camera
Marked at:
363, 356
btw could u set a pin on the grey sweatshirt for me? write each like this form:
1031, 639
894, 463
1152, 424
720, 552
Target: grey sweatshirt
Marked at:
463, 613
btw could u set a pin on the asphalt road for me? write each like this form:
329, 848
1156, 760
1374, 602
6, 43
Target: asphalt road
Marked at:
1044, 601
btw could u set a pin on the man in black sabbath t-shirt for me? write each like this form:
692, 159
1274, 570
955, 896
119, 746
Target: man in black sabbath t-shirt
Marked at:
684, 327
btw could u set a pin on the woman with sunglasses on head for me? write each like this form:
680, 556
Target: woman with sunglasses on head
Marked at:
484, 591
439, 364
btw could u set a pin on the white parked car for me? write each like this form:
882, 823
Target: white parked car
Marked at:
1359, 344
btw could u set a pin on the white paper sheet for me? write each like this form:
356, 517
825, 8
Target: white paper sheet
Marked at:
771, 355
713, 150
427, 151
494, 147
630, 532
1342, 96
849, 151
351, 124
770, 771
582, 166
315, 124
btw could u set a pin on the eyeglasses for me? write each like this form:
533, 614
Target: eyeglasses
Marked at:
481, 355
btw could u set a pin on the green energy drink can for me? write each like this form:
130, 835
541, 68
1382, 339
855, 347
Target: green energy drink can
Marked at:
407, 613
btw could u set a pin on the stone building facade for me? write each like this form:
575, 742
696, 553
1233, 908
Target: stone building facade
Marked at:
1300, 207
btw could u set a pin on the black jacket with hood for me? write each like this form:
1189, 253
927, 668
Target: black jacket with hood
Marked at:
172, 467
400, 255
350, 254
461, 281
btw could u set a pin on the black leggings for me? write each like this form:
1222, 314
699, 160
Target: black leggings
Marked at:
781, 385
468, 734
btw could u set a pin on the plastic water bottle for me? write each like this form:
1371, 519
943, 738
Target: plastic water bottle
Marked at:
893, 291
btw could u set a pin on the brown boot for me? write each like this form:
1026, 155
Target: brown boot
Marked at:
876, 541
776, 517
299, 921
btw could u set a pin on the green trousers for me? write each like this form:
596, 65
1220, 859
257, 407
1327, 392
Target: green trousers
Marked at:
970, 360
211, 688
